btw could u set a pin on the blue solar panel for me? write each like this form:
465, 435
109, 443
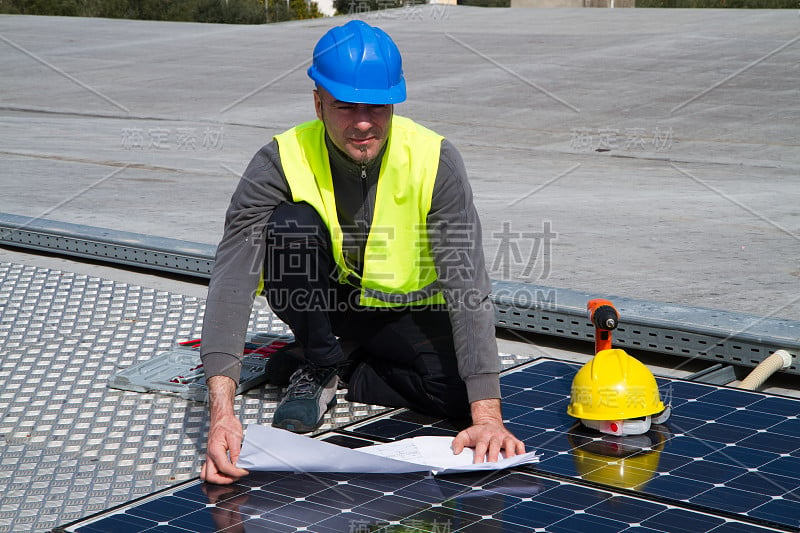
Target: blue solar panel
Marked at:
726, 461
723, 451
504, 501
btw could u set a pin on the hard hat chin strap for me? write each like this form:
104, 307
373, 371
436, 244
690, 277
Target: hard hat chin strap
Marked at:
662, 417
632, 426
619, 428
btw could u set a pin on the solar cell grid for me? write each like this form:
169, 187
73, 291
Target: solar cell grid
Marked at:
503, 501
723, 463
725, 450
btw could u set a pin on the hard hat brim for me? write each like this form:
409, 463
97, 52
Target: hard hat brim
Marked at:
346, 93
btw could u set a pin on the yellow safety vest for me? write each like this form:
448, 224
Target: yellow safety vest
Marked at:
398, 267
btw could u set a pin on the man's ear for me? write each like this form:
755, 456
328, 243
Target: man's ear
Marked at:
318, 104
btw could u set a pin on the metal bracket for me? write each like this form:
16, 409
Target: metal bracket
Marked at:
717, 374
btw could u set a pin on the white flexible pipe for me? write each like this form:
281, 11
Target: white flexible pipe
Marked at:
767, 367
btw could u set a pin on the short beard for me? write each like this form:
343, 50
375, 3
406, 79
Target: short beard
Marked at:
364, 160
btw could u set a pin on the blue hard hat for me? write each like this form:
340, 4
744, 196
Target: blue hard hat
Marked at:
360, 64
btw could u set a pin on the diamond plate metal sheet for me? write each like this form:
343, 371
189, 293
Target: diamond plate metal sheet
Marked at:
69, 445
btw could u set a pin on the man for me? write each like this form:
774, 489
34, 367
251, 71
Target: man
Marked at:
361, 229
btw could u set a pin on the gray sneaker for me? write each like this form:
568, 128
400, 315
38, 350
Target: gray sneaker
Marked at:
311, 392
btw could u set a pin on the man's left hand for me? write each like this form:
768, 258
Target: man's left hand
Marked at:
487, 434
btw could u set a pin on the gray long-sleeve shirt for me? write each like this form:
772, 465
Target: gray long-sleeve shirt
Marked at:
453, 230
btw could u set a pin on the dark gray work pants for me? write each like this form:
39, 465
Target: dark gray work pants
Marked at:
404, 357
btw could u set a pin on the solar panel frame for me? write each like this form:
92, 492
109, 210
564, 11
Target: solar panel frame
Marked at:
714, 483
500, 501
704, 448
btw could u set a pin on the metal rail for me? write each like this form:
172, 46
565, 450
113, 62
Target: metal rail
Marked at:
691, 332
709, 334
121, 247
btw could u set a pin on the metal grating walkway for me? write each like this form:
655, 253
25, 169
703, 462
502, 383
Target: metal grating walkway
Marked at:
69, 445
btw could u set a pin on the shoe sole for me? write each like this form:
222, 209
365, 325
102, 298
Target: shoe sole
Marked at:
296, 426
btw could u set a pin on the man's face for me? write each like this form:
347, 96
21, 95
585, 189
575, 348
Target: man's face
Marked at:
358, 130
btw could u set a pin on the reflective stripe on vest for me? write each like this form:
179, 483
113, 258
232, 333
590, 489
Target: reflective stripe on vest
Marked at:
398, 268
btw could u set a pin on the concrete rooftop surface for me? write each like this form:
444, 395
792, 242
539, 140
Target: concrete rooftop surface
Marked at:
652, 154
637, 152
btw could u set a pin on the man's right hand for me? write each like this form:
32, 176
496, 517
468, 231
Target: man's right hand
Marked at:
224, 434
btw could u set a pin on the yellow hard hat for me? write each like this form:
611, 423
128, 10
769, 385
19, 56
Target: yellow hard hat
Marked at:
614, 386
